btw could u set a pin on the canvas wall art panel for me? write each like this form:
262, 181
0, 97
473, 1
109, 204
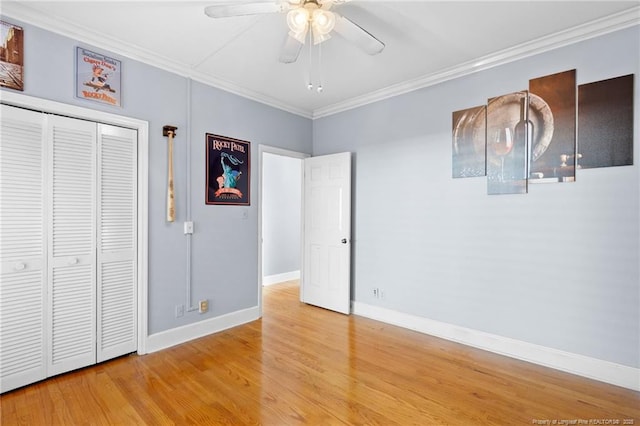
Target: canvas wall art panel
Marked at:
469, 142
553, 142
507, 144
605, 123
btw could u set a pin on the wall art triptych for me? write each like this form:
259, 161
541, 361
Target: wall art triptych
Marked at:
529, 137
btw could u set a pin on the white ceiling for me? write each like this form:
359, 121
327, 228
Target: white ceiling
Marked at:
426, 42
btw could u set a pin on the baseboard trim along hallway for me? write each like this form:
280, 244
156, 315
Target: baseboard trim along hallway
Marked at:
278, 278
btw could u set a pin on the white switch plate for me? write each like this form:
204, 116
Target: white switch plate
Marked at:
188, 228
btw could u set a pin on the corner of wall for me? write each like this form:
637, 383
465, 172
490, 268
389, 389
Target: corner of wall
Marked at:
176, 336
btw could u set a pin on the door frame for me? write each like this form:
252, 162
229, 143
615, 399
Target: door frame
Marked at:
262, 149
142, 127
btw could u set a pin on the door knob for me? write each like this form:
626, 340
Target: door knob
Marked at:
344, 241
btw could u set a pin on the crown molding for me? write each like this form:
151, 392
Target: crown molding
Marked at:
22, 12
618, 21
625, 19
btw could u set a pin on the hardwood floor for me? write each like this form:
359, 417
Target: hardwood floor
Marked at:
304, 365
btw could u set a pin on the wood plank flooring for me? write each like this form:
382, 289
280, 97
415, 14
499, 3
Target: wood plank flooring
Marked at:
304, 365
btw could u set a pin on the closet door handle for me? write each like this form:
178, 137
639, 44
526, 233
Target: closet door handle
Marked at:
19, 266
72, 261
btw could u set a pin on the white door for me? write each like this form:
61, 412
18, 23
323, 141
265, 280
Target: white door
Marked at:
117, 219
22, 248
72, 244
327, 232
68, 244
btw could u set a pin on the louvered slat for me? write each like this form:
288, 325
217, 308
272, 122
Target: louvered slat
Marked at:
117, 194
118, 311
73, 183
21, 193
22, 332
117, 180
73, 325
22, 248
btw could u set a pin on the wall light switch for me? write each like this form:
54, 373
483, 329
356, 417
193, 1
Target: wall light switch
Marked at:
188, 228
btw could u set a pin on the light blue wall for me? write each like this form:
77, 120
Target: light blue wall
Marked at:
225, 246
281, 207
558, 267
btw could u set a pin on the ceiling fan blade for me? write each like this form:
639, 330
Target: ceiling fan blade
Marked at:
290, 50
228, 10
358, 36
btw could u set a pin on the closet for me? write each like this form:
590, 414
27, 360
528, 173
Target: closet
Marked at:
67, 244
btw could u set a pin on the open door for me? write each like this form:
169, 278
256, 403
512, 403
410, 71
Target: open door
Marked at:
327, 232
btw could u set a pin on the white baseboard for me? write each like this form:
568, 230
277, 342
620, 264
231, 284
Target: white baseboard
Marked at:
604, 371
176, 336
278, 278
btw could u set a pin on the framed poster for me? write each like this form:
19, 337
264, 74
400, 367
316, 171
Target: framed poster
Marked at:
98, 77
228, 171
11, 56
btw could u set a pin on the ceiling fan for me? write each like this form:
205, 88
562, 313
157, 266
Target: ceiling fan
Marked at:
303, 17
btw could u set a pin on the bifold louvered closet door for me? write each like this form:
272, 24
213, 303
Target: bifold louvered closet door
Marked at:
68, 252
23, 322
72, 246
117, 242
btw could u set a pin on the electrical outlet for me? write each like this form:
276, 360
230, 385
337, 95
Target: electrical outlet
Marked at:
179, 311
203, 306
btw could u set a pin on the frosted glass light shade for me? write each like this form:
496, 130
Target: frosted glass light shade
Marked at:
298, 20
323, 21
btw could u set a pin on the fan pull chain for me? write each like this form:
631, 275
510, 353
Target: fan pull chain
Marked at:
320, 88
310, 84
